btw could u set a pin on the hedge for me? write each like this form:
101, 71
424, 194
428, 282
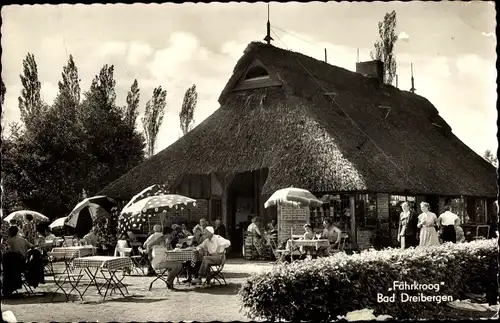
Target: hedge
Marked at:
323, 289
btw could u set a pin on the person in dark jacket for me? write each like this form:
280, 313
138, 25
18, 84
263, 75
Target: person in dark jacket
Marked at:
408, 231
220, 228
34, 268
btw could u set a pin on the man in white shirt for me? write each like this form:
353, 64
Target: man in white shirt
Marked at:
447, 221
212, 249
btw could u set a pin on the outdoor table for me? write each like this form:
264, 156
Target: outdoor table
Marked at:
183, 256
66, 255
318, 243
104, 264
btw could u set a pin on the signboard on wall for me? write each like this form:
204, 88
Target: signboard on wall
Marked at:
291, 217
383, 206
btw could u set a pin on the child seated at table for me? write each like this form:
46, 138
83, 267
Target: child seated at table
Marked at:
309, 234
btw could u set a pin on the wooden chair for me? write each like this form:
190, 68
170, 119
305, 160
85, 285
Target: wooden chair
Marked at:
215, 271
485, 230
137, 261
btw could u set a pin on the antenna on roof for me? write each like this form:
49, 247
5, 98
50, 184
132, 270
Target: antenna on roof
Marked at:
268, 36
358, 55
326, 61
412, 90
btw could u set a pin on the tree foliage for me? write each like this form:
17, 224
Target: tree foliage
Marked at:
490, 157
153, 118
75, 147
384, 48
187, 111
30, 102
131, 111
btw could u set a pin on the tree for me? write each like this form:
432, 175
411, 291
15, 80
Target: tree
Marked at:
30, 102
131, 111
69, 86
153, 118
384, 48
187, 110
112, 147
490, 157
3, 91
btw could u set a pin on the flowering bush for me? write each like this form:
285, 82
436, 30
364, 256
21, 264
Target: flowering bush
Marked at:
326, 288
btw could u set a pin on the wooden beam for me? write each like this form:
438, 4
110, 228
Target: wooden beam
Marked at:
352, 210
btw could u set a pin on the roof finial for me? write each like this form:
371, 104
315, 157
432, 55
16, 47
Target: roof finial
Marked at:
268, 36
412, 90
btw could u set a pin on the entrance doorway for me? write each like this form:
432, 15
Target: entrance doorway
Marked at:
242, 206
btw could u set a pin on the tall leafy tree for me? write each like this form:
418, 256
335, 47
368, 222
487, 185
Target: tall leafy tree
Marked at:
112, 147
30, 102
131, 111
187, 111
69, 86
153, 118
384, 48
490, 157
3, 91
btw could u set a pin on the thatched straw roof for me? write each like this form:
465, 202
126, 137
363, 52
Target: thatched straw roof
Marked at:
307, 141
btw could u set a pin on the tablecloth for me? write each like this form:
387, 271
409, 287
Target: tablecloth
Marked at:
106, 262
183, 256
71, 252
321, 243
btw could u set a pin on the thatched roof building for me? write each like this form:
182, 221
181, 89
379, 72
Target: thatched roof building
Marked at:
348, 132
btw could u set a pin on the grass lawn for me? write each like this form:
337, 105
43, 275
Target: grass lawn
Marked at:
189, 303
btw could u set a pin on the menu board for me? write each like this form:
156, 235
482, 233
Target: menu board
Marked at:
291, 217
383, 206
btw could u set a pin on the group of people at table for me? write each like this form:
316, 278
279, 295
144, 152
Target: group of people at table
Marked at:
206, 241
261, 240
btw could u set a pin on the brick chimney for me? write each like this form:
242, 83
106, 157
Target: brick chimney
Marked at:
371, 69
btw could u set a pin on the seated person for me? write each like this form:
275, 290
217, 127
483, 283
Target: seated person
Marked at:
157, 233
198, 236
332, 233
185, 230
309, 234
173, 267
17, 243
121, 243
90, 239
212, 250
49, 235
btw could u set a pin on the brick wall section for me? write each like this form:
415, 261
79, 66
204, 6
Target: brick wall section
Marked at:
364, 236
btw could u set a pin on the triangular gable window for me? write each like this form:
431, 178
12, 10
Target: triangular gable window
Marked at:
256, 76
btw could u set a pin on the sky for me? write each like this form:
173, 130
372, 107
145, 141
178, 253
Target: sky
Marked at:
451, 45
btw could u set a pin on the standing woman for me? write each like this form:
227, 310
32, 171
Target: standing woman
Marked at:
427, 222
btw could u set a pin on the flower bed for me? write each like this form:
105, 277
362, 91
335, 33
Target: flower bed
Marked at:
325, 288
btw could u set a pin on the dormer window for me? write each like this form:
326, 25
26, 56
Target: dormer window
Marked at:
256, 76
256, 73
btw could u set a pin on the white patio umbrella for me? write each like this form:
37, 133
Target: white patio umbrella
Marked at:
19, 216
58, 223
98, 206
136, 214
292, 196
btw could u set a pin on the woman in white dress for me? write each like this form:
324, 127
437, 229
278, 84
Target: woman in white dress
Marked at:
427, 223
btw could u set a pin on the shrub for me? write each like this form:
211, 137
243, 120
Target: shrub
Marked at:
325, 288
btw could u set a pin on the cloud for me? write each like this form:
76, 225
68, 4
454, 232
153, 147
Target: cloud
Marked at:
112, 48
404, 36
492, 35
138, 52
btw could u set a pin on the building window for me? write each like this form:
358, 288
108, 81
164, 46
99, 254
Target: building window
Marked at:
366, 211
335, 207
256, 73
195, 186
458, 207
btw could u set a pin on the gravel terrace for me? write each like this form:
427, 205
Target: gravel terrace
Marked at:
188, 303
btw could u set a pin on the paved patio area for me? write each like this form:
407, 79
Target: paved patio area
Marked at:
215, 303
